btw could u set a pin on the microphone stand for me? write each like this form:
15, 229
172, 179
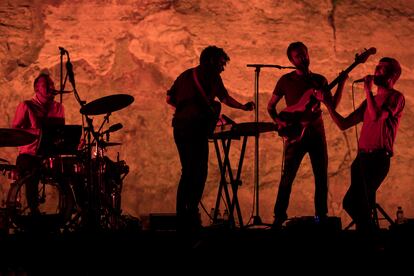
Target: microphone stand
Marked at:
62, 82
92, 213
256, 218
62, 53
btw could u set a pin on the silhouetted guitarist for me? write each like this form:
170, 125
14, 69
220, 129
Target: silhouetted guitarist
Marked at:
294, 87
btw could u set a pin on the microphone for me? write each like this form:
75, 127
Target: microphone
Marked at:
271, 66
62, 50
360, 80
113, 128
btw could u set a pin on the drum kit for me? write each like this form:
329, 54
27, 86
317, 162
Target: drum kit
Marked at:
80, 187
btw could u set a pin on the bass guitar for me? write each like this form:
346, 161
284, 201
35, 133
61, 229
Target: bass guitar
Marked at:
297, 117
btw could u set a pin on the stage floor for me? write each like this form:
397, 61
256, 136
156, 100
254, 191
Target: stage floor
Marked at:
90, 253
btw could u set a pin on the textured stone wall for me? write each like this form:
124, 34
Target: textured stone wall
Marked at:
139, 47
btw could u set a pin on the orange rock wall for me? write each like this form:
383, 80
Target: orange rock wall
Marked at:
139, 47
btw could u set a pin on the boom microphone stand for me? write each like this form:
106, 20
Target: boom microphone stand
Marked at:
62, 82
256, 218
92, 215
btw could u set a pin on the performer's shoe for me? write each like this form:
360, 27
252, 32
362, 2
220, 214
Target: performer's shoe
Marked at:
278, 222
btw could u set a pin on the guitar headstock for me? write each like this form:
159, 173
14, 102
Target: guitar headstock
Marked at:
361, 58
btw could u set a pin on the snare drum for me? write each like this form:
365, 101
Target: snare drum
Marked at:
9, 170
66, 165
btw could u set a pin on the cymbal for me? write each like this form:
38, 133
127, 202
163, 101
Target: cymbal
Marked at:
107, 104
15, 137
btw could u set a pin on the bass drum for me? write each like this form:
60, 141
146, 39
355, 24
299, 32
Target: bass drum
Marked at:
56, 205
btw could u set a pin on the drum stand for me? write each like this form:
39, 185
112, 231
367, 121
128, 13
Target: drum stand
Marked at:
98, 209
257, 221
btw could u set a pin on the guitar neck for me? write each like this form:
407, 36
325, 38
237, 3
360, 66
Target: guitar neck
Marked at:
346, 71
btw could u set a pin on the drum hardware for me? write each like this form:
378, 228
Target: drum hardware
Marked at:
103, 181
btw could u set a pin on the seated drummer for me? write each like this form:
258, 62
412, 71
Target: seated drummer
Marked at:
34, 114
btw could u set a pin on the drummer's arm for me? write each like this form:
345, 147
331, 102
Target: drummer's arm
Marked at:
19, 117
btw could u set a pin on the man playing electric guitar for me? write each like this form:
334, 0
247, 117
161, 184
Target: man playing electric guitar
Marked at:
295, 87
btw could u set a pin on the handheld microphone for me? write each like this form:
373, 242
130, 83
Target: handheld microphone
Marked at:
360, 80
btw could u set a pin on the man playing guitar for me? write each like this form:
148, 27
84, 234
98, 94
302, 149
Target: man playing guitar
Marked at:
295, 86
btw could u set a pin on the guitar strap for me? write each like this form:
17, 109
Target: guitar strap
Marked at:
201, 90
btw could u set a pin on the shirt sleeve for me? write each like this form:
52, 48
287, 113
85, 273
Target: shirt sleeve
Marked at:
396, 105
20, 115
222, 92
279, 91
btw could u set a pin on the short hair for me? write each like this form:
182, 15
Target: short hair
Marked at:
293, 46
41, 75
213, 53
395, 65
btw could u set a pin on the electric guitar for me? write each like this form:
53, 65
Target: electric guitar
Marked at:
298, 116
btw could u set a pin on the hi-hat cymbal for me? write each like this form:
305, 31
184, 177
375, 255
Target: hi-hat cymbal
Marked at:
15, 137
107, 104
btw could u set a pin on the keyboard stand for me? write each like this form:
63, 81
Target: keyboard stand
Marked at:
225, 169
238, 131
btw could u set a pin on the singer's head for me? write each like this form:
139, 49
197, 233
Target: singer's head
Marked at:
44, 88
387, 72
298, 55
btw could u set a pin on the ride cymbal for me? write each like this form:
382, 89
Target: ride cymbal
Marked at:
107, 104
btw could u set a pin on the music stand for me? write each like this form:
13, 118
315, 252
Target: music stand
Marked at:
257, 221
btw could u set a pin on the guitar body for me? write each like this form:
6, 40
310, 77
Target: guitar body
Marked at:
298, 116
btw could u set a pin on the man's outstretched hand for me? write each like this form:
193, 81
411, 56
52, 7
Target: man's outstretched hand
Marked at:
249, 106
